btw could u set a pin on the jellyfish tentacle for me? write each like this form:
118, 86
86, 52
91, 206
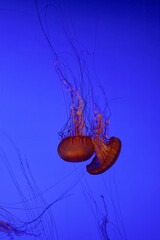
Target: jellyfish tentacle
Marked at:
78, 127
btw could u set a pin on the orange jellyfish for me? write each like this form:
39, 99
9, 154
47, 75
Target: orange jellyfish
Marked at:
78, 145
80, 141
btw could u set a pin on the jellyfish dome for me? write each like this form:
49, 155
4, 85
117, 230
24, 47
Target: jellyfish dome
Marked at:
76, 148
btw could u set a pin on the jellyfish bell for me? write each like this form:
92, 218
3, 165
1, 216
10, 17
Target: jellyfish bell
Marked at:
108, 157
76, 148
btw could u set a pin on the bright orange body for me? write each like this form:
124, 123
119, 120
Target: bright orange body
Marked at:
76, 149
110, 156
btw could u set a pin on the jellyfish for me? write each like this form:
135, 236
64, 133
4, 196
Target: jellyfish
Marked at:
81, 139
80, 146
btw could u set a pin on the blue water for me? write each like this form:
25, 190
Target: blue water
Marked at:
120, 40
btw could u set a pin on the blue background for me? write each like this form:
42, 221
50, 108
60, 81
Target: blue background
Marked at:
124, 37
